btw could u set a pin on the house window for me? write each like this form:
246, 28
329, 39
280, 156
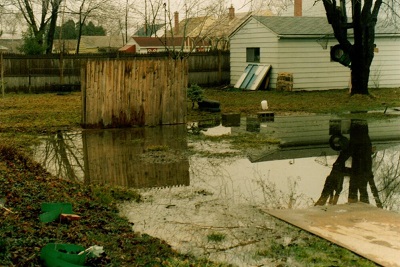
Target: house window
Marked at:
253, 54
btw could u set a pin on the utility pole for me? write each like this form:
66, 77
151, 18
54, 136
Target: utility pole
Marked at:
126, 21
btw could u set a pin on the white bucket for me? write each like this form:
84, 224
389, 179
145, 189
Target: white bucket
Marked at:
264, 105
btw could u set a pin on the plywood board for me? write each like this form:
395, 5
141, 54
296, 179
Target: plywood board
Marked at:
362, 228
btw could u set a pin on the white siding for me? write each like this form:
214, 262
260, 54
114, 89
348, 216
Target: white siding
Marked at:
310, 64
252, 34
385, 68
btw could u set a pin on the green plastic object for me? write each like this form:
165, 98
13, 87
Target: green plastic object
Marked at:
62, 255
52, 210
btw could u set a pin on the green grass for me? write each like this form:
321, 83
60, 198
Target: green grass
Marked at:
332, 101
337, 102
40, 112
216, 237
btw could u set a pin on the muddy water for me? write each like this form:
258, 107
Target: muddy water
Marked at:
191, 195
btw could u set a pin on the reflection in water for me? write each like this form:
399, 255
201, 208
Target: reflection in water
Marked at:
359, 148
62, 155
135, 157
140, 157
364, 163
387, 175
157, 157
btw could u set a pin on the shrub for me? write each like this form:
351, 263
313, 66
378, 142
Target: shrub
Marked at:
195, 93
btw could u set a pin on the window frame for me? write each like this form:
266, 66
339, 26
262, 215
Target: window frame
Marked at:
253, 54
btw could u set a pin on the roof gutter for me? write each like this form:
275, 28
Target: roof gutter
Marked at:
330, 36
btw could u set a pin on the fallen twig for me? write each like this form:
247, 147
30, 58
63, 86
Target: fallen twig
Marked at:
2, 206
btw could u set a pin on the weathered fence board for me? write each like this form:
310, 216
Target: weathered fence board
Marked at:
134, 92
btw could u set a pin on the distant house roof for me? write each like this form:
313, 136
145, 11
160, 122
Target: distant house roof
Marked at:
162, 41
210, 26
101, 41
226, 24
196, 26
147, 41
11, 45
68, 46
150, 31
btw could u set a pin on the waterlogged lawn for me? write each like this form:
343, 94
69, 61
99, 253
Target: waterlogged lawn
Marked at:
25, 185
50, 112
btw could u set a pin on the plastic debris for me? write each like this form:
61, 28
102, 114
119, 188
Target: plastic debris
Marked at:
69, 217
62, 255
93, 250
52, 211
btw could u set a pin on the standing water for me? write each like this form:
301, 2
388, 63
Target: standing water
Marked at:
196, 189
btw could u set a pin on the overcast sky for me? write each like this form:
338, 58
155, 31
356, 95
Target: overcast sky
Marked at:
136, 19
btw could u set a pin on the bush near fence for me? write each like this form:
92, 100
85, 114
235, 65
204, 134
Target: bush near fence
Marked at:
39, 73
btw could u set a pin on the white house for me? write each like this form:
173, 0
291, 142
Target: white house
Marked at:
301, 46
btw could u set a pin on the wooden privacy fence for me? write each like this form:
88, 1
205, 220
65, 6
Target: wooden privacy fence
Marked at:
130, 92
24, 73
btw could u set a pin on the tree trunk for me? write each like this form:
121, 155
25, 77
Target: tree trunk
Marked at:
364, 18
52, 26
360, 55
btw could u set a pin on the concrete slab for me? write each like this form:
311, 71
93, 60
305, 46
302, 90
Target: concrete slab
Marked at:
362, 228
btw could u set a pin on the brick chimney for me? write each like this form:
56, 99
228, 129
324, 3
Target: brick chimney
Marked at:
231, 12
298, 8
176, 22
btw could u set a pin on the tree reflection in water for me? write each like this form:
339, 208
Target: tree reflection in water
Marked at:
62, 155
359, 148
387, 175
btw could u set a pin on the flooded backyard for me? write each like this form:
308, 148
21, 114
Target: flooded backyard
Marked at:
204, 195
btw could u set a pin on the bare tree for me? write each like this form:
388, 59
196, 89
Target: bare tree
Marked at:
62, 155
85, 9
38, 21
55, 6
10, 18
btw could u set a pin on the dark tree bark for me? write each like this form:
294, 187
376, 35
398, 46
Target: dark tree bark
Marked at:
55, 6
39, 26
361, 52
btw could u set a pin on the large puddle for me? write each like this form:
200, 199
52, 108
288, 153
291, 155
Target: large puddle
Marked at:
195, 189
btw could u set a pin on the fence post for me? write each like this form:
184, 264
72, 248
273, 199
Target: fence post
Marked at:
219, 66
2, 74
83, 91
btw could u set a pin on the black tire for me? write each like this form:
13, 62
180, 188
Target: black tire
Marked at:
338, 142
